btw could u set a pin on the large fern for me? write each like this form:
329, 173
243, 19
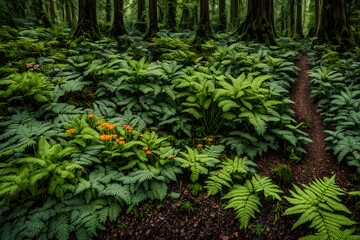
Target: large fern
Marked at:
319, 204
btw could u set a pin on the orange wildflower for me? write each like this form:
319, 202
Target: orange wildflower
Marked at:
122, 138
102, 137
217, 170
209, 139
205, 138
145, 148
117, 140
142, 135
122, 142
114, 135
148, 152
171, 156
91, 115
199, 145
72, 130
68, 132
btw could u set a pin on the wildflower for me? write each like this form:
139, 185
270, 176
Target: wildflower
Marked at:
125, 126
52, 79
205, 138
209, 139
142, 135
117, 140
72, 130
102, 137
171, 156
148, 152
29, 65
145, 148
44, 82
122, 138
217, 170
199, 145
129, 131
36, 66
122, 142
151, 44
68, 132
108, 137
114, 135
97, 123
91, 115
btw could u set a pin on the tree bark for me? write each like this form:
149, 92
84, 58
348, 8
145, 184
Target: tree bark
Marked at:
118, 26
185, 23
292, 17
153, 28
203, 32
298, 27
68, 14
171, 16
87, 27
222, 15
141, 21
73, 15
52, 11
334, 25
317, 14
259, 23
108, 10
234, 13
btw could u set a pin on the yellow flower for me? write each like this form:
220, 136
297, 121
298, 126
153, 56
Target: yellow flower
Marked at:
142, 135
122, 138
122, 142
145, 148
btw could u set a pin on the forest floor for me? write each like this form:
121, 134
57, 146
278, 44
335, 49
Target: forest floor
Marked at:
210, 221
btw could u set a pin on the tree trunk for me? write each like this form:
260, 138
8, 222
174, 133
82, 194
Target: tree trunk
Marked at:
185, 23
292, 17
203, 32
298, 28
87, 26
141, 22
334, 24
234, 13
195, 21
222, 15
118, 26
73, 15
41, 16
304, 12
68, 14
153, 28
259, 23
171, 16
317, 14
108, 11
52, 11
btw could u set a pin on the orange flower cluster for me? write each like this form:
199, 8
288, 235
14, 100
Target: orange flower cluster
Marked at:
209, 139
106, 125
171, 156
108, 137
128, 127
91, 115
70, 131
120, 142
145, 148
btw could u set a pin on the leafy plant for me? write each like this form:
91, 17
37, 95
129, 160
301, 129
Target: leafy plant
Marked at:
319, 204
195, 188
282, 174
258, 230
187, 206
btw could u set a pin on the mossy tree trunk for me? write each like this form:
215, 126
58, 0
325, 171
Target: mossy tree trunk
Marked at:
314, 29
52, 11
41, 15
203, 32
171, 15
141, 22
298, 27
259, 23
87, 26
185, 16
153, 28
108, 10
222, 15
292, 17
234, 13
73, 15
334, 24
118, 26
68, 14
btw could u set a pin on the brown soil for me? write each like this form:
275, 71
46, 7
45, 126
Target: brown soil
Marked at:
211, 221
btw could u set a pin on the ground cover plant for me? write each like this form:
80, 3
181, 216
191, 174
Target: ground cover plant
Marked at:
231, 128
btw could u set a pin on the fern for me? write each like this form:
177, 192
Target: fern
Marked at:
319, 203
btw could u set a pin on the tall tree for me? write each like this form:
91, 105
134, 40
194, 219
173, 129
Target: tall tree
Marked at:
52, 11
41, 15
153, 28
298, 27
141, 22
259, 23
203, 32
118, 26
108, 10
222, 15
73, 14
87, 26
171, 15
68, 14
334, 25
317, 14
292, 16
185, 16
234, 13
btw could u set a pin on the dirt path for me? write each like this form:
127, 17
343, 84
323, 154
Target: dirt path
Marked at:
317, 162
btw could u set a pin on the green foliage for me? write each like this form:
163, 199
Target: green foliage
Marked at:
282, 174
187, 206
245, 198
197, 163
195, 188
31, 83
319, 204
258, 230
